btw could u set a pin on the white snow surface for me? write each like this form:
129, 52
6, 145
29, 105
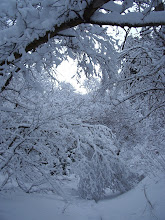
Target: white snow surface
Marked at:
134, 18
133, 205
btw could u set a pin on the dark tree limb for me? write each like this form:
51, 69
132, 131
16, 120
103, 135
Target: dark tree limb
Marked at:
7, 82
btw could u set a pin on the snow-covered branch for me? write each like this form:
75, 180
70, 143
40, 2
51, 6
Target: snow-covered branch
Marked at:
35, 24
131, 19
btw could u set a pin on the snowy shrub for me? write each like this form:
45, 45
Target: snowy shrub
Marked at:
99, 167
101, 173
36, 144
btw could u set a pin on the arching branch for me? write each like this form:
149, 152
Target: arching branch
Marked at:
92, 16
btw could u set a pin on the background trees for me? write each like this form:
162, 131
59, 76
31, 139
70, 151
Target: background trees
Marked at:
142, 78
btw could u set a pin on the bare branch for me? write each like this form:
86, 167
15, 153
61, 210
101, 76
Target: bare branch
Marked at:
7, 82
126, 35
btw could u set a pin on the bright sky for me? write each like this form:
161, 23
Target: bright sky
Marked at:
66, 71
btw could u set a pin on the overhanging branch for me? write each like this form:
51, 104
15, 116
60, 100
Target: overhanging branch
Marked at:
91, 16
132, 19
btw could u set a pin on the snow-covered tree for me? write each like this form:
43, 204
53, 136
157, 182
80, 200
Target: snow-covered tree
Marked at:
42, 132
100, 167
143, 70
142, 78
48, 138
43, 33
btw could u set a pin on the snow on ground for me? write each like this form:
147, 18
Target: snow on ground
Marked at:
145, 202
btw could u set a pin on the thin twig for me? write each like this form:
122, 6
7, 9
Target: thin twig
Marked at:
149, 202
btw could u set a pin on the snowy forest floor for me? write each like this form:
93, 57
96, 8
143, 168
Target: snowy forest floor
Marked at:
145, 202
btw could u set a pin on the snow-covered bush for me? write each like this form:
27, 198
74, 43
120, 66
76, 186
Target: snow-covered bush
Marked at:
100, 173
36, 144
99, 167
